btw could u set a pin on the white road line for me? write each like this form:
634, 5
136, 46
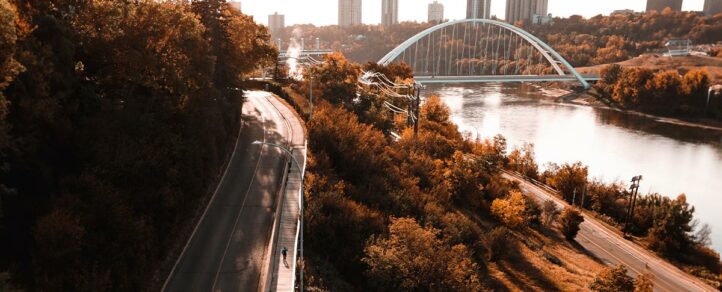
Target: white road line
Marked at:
240, 211
203, 216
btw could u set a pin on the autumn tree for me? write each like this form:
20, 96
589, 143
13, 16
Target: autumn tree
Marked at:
414, 258
9, 66
523, 161
613, 280
550, 212
464, 179
569, 179
609, 74
631, 88
671, 231
694, 87
569, 221
336, 78
510, 211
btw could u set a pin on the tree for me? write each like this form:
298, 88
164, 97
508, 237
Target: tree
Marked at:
569, 179
631, 88
694, 87
464, 180
569, 221
500, 243
434, 110
670, 233
550, 211
610, 75
523, 161
510, 211
336, 78
413, 258
613, 280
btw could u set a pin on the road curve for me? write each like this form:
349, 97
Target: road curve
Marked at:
226, 250
612, 249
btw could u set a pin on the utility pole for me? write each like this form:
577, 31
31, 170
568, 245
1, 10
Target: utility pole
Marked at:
310, 90
417, 101
574, 197
634, 188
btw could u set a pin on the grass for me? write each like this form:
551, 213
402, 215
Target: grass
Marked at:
713, 65
530, 267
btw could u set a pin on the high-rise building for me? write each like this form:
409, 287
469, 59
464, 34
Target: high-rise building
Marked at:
235, 4
712, 7
478, 9
389, 12
436, 12
349, 12
276, 24
534, 11
659, 5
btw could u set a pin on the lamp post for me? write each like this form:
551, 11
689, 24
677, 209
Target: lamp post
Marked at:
300, 170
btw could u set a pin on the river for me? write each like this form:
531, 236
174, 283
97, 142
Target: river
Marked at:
616, 146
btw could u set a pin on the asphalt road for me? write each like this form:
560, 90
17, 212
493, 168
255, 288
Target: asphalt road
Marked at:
225, 251
610, 248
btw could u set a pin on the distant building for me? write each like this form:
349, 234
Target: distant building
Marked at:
389, 12
528, 10
436, 12
236, 5
622, 12
679, 47
659, 5
712, 7
542, 19
349, 12
478, 9
276, 24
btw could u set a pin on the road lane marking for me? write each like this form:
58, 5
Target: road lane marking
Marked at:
240, 211
213, 197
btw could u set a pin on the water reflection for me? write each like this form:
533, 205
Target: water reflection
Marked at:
673, 159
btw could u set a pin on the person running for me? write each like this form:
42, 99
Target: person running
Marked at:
284, 250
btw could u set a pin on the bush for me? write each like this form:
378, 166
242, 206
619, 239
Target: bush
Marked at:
510, 211
569, 222
499, 241
613, 280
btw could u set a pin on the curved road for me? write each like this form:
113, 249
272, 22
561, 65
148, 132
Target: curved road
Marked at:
227, 247
610, 248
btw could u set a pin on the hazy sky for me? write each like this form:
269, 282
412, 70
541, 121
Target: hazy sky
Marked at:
324, 12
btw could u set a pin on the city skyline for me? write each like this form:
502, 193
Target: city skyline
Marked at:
298, 12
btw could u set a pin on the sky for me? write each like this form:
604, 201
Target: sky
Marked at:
324, 12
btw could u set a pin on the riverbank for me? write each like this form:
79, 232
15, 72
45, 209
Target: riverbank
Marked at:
566, 96
586, 99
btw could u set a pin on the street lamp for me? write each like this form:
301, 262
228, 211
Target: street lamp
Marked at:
300, 170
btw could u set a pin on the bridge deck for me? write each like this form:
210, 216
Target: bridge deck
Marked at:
500, 78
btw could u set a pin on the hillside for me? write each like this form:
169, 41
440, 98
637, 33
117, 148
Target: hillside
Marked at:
713, 65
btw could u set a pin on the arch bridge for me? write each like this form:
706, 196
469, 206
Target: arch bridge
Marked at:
482, 50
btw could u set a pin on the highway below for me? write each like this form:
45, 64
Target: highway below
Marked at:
226, 249
612, 249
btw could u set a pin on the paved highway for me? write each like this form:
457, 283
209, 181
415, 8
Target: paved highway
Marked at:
612, 249
226, 250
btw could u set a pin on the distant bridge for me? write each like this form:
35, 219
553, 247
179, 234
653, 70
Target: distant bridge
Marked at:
305, 53
501, 78
482, 50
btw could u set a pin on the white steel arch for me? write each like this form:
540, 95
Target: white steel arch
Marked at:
547, 51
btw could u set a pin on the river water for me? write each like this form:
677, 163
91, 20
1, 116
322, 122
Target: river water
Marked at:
616, 146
